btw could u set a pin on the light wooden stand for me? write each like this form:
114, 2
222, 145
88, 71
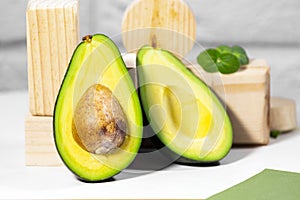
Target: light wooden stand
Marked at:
247, 98
52, 35
283, 114
40, 147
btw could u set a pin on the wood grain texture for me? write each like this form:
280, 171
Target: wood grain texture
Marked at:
52, 35
40, 146
168, 24
283, 114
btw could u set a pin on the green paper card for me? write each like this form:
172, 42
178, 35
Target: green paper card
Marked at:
267, 185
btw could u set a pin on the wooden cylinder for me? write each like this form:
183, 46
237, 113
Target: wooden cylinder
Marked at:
283, 114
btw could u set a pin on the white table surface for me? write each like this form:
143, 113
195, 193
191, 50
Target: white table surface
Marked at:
176, 181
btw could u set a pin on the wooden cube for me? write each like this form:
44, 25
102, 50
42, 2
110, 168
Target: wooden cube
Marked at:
39, 142
246, 95
52, 35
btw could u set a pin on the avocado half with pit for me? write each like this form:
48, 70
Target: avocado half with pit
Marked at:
97, 116
184, 113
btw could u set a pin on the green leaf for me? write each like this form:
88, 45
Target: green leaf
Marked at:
241, 54
208, 59
243, 59
228, 63
224, 49
238, 49
224, 59
275, 133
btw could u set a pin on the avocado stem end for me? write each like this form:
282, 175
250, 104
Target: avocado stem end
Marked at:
87, 38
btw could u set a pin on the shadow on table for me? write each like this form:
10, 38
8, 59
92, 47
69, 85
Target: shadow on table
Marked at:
151, 161
155, 156
146, 162
238, 153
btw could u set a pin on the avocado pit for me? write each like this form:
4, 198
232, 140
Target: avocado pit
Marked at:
100, 125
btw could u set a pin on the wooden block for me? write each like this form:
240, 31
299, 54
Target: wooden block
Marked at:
39, 142
283, 114
246, 95
52, 35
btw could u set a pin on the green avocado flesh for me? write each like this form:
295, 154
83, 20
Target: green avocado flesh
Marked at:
97, 116
184, 113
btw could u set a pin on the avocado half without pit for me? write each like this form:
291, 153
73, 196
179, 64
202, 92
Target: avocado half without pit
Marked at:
97, 116
185, 114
